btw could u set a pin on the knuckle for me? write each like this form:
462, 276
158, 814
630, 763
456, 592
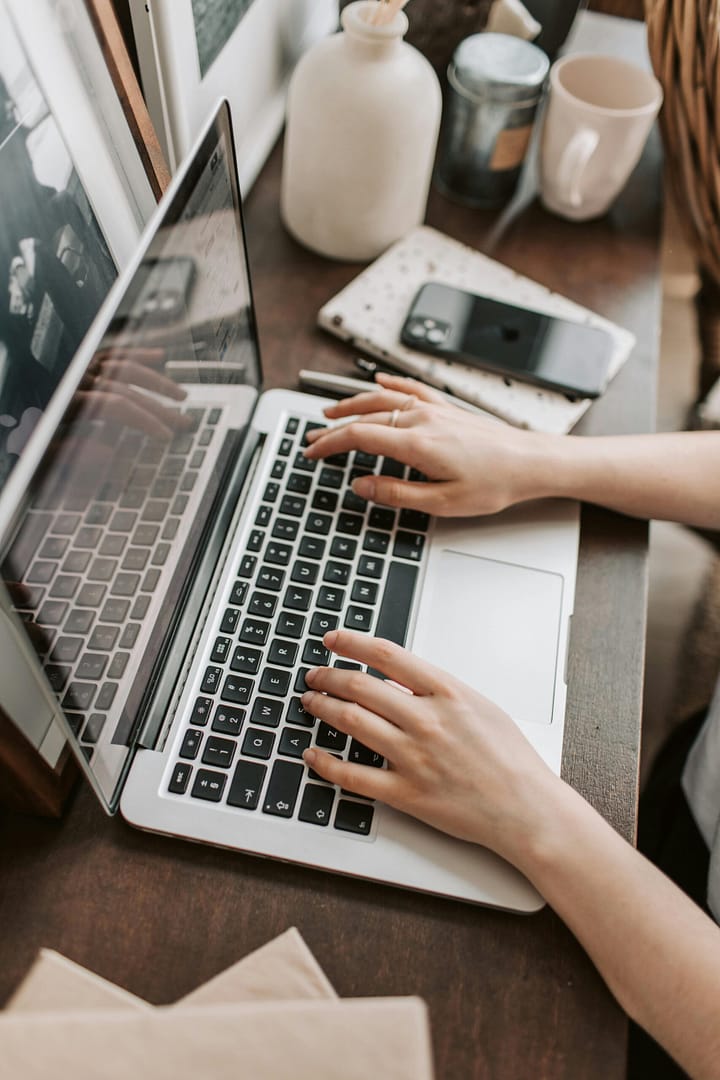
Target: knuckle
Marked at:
385, 650
355, 683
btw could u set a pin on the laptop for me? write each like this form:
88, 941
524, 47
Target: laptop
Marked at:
170, 568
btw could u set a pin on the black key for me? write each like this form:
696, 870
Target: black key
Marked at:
338, 460
205, 437
228, 721
293, 505
316, 804
40, 573
325, 500
270, 577
278, 470
283, 652
351, 524
79, 696
262, 604
93, 729
330, 599
296, 599
376, 541
271, 492
209, 785
52, 612
173, 465
343, 548
129, 636
307, 465
66, 650
371, 567
79, 622
285, 529
274, 681
57, 676
318, 524
355, 503
92, 666
315, 653
293, 742
213, 416
396, 602
106, 696
180, 778
416, 476
283, 788
347, 665
365, 461
201, 711
304, 573
246, 785
230, 620
363, 755
390, 467
354, 817
247, 566
263, 515
312, 775
381, 518
289, 624
331, 478
254, 631
415, 520
409, 546
267, 712
218, 752
258, 743
279, 554
238, 594
321, 623
330, 738
236, 690
366, 592
285, 447
337, 573
221, 650
211, 680
191, 743
310, 426
311, 547
256, 540
292, 425
296, 714
246, 660
300, 685
299, 483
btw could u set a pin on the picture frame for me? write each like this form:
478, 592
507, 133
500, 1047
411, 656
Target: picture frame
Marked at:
191, 53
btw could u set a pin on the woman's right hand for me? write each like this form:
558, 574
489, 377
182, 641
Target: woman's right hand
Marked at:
473, 465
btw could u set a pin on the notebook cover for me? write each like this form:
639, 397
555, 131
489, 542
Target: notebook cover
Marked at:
370, 311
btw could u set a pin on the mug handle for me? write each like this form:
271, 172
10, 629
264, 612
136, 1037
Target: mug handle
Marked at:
574, 161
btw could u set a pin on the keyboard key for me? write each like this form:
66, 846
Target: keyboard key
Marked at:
381, 518
125, 584
319, 524
363, 755
390, 467
330, 599
254, 631
106, 696
358, 618
409, 546
236, 690
354, 817
315, 653
366, 592
256, 540
247, 566
278, 470
300, 685
376, 541
57, 676
218, 752
246, 660
92, 666
283, 788
415, 520
180, 778
246, 785
294, 742
209, 785
79, 622
321, 623
279, 554
135, 559
238, 593
299, 483
293, 506
64, 587
66, 650
40, 573
296, 599
355, 503
79, 697
230, 620
93, 729
221, 650
228, 721
370, 566
329, 738
351, 524
304, 573
337, 573
285, 447
89, 536
262, 604
91, 596
52, 612
316, 804
271, 492
290, 624
296, 714
331, 478
310, 426
270, 577
325, 500
211, 680
266, 711
365, 461
129, 636
283, 652
274, 681
311, 547
343, 548
285, 529
263, 516
347, 665
292, 425
66, 524
190, 743
114, 544
76, 562
258, 744
201, 711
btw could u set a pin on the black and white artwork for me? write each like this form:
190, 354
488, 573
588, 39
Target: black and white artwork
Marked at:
55, 267
215, 22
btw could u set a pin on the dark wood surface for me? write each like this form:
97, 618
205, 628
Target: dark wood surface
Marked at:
509, 997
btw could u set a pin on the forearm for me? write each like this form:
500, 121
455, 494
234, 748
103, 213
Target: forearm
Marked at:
672, 477
658, 953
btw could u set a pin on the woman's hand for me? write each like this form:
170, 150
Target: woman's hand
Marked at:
472, 465
455, 760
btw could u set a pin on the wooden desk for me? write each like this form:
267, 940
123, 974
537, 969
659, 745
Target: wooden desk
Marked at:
509, 997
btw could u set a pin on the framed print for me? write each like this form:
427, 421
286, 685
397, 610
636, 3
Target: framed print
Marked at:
194, 52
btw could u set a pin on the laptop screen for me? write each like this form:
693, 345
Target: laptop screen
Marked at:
124, 477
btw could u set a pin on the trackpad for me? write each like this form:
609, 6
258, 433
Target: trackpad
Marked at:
495, 626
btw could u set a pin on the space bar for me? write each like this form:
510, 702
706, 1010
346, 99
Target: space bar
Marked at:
396, 603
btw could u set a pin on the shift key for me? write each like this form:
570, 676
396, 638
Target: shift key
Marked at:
283, 788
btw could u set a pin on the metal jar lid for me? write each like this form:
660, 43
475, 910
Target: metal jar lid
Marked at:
498, 67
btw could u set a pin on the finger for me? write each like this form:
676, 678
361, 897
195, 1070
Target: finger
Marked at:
352, 719
426, 495
407, 385
172, 418
371, 694
140, 354
136, 374
362, 779
373, 438
116, 408
367, 401
392, 660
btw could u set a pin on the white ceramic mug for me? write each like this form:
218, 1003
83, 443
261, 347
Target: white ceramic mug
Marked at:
597, 120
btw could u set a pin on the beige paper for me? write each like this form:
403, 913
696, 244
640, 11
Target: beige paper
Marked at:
284, 968
381, 1038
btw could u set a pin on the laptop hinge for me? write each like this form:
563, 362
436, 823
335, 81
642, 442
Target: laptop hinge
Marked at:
191, 625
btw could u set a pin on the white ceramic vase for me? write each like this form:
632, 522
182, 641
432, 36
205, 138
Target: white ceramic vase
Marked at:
362, 126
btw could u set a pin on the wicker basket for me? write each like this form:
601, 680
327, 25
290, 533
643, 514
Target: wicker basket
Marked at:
684, 43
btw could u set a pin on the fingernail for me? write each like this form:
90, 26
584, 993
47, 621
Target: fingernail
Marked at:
329, 639
305, 696
364, 486
310, 756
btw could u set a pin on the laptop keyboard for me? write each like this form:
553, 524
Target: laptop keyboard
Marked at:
317, 558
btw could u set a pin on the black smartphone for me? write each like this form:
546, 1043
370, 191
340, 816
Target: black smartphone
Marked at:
513, 341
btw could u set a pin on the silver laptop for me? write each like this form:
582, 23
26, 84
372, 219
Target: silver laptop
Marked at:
168, 577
